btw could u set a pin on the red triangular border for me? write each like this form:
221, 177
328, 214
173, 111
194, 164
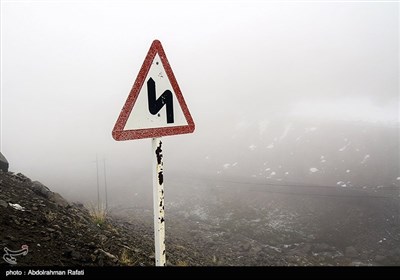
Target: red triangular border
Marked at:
120, 134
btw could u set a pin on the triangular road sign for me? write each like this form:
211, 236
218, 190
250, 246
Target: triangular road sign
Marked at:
155, 106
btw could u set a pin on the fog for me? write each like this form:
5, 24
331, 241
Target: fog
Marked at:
253, 74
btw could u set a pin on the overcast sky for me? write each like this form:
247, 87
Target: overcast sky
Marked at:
67, 68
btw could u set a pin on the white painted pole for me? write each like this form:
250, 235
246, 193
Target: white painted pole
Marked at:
158, 202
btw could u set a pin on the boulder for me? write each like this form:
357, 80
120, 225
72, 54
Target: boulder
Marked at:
44, 191
3, 163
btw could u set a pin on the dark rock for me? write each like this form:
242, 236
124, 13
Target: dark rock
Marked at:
3, 163
22, 178
45, 192
104, 254
40, 189
72, 253
75, 255
58, 199
3, 203
10, 237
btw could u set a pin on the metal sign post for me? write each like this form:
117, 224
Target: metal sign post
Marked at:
155, 107
158, 202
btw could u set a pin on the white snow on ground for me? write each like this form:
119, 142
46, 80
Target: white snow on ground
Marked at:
398, 178
285, 132
252, 147
313, 169
348, 171
234, 164
365, 159
267, 169
339, 183
272, 173
226, 165
311, 129
345, 146
287, 173
270, 146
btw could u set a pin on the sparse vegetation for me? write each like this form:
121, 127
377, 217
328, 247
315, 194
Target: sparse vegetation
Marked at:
99, 215
126, 259
182, 263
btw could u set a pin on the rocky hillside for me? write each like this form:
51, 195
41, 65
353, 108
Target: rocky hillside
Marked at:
58, 232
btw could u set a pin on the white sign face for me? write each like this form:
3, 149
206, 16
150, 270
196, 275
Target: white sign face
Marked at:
157, 84
155, 106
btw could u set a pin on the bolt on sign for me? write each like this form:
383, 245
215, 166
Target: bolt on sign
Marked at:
155, 107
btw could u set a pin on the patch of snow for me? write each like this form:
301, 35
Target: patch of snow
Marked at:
365, 159
344, 185
313, 169
398, 178
311, 129
272, 173
285, 132
252, 147
268, 169
207, 157
339, 183
270, 146
234, 164
345, 146
226, 165
287, 173
322, 161
348, 171
322, 157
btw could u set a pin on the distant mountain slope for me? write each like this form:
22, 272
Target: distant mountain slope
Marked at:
331, 153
